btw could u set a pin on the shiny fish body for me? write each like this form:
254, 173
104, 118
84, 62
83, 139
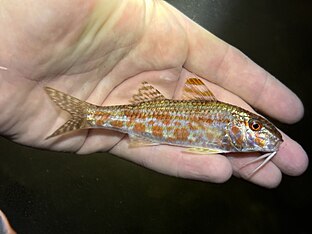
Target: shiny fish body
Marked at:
195, 123
198, 122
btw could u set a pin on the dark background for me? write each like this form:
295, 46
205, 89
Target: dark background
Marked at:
46, 192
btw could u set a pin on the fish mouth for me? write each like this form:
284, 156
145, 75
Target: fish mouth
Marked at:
279, 142
279, 137
274, 145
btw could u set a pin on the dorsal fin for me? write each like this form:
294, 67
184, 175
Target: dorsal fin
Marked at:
146, 93
194, 88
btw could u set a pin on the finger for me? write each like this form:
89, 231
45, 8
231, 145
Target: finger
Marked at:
268, 176
5, 226
291, 157
173, 161
226, 66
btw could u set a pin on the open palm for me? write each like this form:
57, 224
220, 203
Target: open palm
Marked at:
101, 51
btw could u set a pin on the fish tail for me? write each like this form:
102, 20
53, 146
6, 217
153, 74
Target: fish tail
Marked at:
78, 110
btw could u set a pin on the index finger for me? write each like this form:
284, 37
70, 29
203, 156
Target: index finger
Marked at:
224, 65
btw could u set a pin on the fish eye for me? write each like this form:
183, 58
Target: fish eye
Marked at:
254, 125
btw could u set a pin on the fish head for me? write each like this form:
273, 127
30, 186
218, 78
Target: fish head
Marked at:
253, 133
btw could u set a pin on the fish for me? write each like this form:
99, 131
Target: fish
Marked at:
198, 121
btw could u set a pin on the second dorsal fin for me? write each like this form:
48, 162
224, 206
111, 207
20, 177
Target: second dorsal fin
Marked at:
194, 88
146, 93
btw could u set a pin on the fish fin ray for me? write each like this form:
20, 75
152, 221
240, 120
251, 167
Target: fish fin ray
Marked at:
75, 123
146, 93
75, 107
136, 141
204, 151
194, 88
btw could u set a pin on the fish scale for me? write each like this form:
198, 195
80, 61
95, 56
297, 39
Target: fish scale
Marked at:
198, 122
185, 123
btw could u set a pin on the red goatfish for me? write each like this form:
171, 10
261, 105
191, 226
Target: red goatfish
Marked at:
198, 122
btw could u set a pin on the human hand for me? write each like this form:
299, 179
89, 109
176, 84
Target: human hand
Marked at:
100, 51
5, 226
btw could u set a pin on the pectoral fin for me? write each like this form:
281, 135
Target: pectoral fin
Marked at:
136, 141
204, 151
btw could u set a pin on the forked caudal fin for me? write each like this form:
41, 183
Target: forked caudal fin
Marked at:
72, 105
